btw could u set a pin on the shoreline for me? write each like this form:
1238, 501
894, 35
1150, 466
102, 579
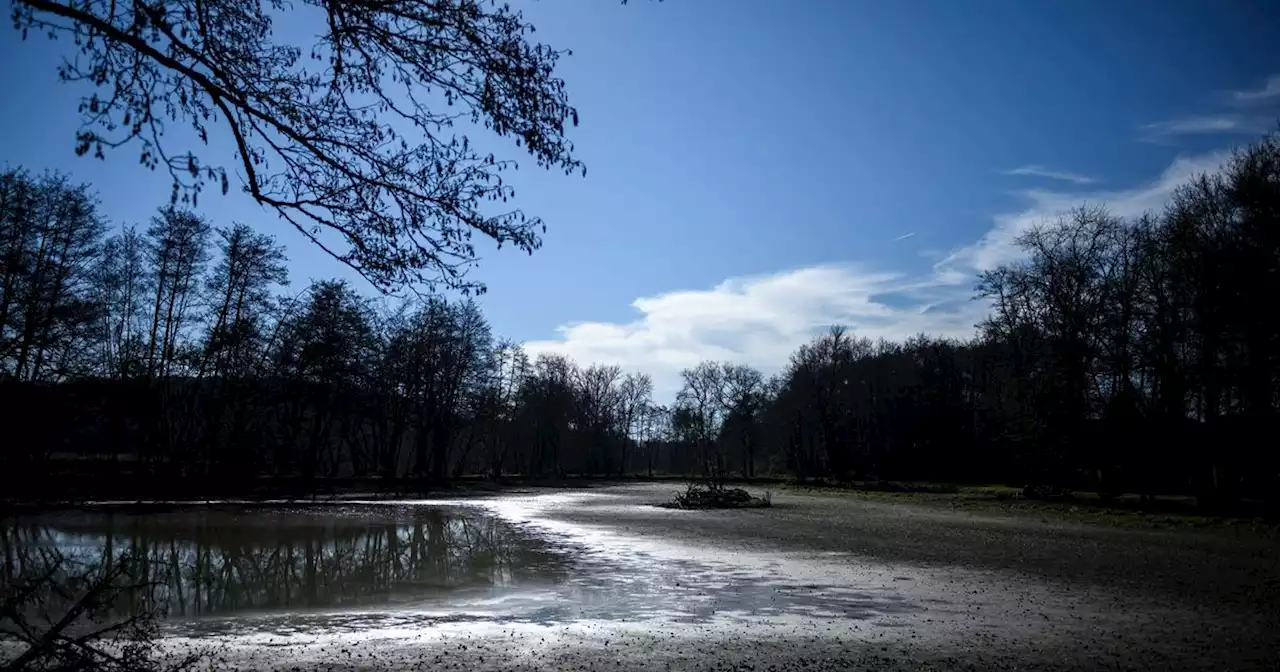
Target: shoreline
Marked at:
1126, 511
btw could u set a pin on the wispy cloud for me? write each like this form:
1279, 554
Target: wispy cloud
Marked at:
1270, 91
998, 245
1208, 124
1224, 122
1041, 171
761, 320
904, 236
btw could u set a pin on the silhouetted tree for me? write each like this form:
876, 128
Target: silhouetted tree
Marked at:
177, 249
635, 395
744, 400
702, 406
240, 290
361, 148
1119, 355
123, 285
493, 408
599, 414
324, 354
50, 238
550, 401
1063, 292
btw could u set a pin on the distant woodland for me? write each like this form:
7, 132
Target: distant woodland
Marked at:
170, 359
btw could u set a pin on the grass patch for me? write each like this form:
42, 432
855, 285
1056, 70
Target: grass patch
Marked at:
881, 486
1129, 510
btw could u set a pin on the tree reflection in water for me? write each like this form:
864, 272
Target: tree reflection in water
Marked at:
228, 560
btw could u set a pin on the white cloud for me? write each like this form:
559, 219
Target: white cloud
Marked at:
1041, 171
1270, 90
1209, 124
761, 320
997, 246
904, 236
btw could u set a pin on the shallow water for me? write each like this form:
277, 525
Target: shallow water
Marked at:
565, 579
375, 567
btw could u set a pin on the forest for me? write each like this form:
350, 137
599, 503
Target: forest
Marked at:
1138, 356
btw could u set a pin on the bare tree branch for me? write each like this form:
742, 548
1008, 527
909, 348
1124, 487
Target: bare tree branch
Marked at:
361, 149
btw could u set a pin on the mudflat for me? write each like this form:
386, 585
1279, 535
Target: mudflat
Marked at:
599, 578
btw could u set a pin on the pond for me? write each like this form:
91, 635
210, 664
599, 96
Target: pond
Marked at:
229, 560
286, 570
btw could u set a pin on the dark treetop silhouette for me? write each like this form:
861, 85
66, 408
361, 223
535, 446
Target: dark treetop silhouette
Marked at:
352, 135
1118, 356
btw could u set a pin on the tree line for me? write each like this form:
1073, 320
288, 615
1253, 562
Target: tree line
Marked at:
173, 352
1134, 355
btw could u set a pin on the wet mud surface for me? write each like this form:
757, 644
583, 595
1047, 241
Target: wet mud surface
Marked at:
599, 579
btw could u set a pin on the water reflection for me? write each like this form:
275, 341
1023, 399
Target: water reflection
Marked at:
224, 561
366, 567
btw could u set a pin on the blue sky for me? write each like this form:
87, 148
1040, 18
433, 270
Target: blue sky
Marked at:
760, 169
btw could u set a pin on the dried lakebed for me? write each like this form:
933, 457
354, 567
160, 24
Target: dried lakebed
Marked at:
599, 579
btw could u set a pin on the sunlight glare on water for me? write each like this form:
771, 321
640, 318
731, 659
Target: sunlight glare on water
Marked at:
425, 569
